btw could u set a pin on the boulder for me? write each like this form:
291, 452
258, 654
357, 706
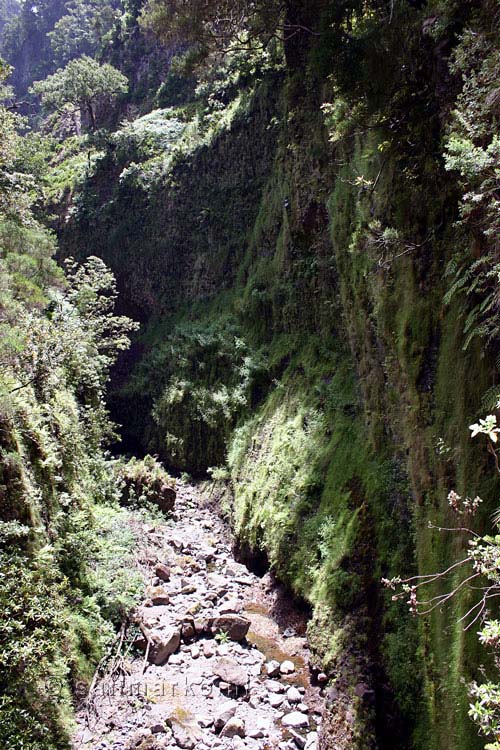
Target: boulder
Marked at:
187, 736
236, 626
157, 595
234, 728
272, 668
295, 720
226, 712
162, 643
162, 571
293, 695
231, 672
232, 605
287, 667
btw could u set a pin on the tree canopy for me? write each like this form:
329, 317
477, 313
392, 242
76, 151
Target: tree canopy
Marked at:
81, 85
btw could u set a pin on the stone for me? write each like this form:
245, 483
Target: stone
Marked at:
272, 668
162, 643
234, 728
189, 589
232, 605
311, 741
226, 712
201, 625
187, 736
231, 672
158, 728
298, 740
275, 700
165, 498
293, 695
295, 720
273, 686
236, 626
157, 595
217, 582
322, 678
188, 630
208, 649
303, 708
162, 571
195, 652
287, 667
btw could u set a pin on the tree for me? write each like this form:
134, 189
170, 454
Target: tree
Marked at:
216, 26
80, 87
82, 29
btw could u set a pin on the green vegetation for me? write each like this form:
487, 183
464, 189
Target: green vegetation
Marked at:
300, 202
77, 89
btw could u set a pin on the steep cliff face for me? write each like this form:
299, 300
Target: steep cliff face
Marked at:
289, 273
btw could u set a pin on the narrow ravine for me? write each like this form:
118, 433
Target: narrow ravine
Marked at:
222, 659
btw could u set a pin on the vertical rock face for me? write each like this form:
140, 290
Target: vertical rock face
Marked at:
317, 230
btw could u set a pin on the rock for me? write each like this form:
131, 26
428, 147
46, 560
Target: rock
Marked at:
162, 571
298, 740
311, 740
272, 668
295, 720
157, 595
275, 700
187, 736
201, 626
189, 589
232, 605
322, 678
273, 686
165, 499
195, 652
217, 582
188, 631
231, 672
158, 728
293, 695
287, 667
227, 711
162, 643
207, 554
208, 649
234, 728
236, 626
303, 708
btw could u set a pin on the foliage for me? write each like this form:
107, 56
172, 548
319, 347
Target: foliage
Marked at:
82, 85
473, 152
145, 482
218, 25
83, 28
200, 379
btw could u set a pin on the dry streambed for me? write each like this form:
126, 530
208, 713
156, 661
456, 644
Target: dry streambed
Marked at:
216, 671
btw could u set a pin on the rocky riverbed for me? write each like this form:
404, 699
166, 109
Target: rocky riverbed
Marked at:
219, 659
